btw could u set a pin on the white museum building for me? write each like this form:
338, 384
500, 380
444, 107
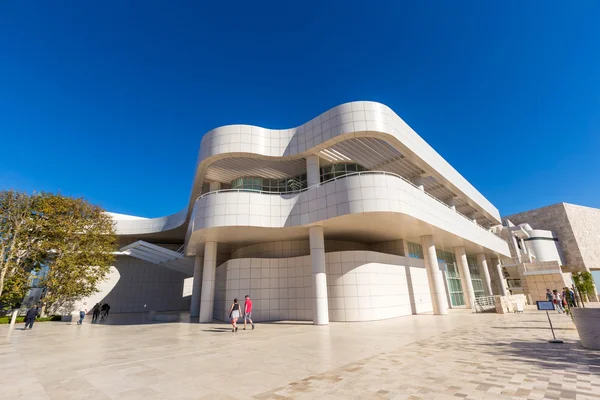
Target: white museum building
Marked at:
351, 216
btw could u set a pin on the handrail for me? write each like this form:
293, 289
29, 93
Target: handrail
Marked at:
483, 303
342, 177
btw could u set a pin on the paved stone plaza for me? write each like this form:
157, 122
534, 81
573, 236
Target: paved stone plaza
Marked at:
462, 355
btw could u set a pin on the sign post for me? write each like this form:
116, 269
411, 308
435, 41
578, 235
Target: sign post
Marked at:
547, 306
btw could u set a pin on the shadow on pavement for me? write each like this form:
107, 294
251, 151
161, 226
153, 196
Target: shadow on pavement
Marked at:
533, 327
566, 356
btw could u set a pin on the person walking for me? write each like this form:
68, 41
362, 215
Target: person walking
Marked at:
557, 301
82, 313
576, 297
549, 296
30, 317
248, 312
105, 310
95, 312
565, 296
234, 314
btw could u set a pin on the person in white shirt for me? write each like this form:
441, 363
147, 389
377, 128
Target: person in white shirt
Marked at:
556, 299
82, 313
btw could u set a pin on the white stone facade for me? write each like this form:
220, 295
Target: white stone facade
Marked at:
344, 218
361, 286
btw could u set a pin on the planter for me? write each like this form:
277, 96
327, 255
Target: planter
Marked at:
587, 321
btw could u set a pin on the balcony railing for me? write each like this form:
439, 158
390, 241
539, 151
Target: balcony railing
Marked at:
343, 177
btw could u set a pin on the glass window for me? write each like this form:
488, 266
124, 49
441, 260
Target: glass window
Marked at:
476, 277
270, 185
337, 170
415, 250
457, 297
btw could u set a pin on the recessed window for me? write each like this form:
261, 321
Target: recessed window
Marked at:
336, 170
285, 185
415, 250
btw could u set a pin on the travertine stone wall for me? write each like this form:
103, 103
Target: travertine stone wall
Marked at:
585, 222
538, 282
508, 304
555, 218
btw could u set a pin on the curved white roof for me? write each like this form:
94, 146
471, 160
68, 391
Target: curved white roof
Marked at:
360, 131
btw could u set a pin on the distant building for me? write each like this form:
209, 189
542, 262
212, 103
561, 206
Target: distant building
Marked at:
548, 244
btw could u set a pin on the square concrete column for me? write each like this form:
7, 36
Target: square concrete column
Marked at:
483, 265
319, 277
213, 186
313, 172
207, 295
434, 276
196, 286
465, 275
497, 267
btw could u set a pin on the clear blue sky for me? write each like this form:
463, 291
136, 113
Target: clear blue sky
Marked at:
109, 100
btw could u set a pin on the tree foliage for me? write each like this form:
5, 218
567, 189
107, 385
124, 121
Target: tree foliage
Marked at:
584, 282
79, 247
70, 236
20, 236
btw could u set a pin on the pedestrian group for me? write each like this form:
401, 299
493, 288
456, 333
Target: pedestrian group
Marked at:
562, 301
235, 313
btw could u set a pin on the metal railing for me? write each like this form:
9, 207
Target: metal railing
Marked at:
293, 192
483, 304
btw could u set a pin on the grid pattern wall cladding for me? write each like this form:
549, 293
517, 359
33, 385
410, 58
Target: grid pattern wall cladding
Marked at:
292, 248
346, 121
142, 286
361, 285
280, 288
355, 194
367, 286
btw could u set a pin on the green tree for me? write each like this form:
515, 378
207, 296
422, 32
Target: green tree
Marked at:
584, 283
20, 236
73, 238
79, 248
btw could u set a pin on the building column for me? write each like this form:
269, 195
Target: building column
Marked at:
465, 275
405, 247
313, 172
319, 277
497, 266
196, 286
483, 265
434, 276
213, 186
207, 295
